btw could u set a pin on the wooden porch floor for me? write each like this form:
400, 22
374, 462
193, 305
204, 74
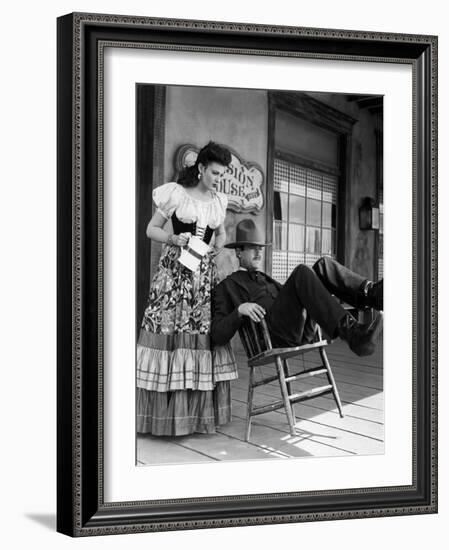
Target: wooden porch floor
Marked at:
320, 430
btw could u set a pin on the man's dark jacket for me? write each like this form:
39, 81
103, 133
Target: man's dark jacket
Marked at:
236, 289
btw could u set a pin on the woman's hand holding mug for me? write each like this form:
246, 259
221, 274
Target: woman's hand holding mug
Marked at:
180, 240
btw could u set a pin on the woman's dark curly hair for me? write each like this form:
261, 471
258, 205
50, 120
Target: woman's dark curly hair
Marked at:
212, 152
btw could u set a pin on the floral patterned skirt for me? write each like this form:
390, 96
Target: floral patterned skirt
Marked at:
183, 386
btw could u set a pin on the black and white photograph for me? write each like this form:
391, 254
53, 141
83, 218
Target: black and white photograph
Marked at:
222, 285
259, 274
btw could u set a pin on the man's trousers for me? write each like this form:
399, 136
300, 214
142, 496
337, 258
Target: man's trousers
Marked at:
309, 296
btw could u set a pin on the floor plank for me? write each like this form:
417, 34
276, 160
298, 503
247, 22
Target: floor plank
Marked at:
364, 431
270, 435
164, 450
317, 432
220, 446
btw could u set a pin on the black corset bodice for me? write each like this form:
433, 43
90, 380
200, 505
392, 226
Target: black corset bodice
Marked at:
181, 227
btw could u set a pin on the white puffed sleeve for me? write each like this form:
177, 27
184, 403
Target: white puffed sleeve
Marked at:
167, 198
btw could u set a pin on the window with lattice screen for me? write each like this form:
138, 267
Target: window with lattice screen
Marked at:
304, 216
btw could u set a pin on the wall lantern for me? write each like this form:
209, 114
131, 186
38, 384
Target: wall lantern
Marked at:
369, 214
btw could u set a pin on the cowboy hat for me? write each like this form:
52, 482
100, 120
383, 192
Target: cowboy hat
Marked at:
246, 234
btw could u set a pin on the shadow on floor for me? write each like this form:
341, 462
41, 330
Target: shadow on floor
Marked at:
46, 520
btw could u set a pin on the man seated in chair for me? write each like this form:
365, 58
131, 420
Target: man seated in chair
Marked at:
292, 310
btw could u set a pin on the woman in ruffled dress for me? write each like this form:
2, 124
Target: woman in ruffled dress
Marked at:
183, 386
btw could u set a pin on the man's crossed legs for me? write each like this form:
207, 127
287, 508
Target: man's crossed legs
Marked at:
310, 295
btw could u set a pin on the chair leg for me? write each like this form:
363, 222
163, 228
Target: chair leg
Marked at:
331, 379
289, 387
285, 396
249, 403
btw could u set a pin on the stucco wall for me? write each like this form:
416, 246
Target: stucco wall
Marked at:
235, 118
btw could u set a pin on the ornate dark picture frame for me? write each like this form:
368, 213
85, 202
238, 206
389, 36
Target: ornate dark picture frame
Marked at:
81, 509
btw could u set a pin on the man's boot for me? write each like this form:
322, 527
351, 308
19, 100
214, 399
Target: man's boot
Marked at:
361, 338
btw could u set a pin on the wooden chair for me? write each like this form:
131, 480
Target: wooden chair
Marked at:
257, 344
